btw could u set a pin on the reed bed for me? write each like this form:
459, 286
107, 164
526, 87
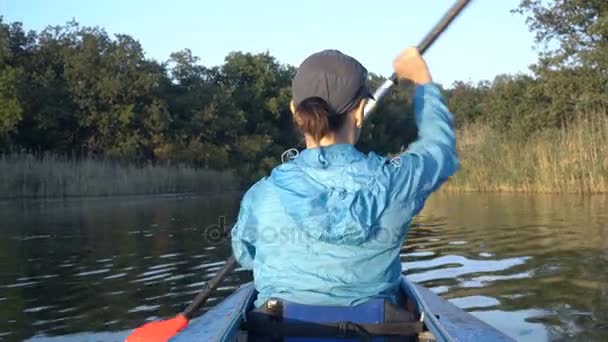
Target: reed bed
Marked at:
24, 175
573, 159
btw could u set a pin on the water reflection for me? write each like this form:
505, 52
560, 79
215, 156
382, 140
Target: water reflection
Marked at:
538, 261
532, 265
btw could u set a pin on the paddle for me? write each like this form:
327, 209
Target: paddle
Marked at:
161, 331
424, 45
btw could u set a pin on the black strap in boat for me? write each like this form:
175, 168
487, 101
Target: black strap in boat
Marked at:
263, 325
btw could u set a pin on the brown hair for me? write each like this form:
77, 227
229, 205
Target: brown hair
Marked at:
315, 117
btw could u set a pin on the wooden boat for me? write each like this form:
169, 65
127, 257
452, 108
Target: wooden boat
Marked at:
442, 320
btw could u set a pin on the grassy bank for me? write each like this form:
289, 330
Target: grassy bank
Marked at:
26, 176
568, 160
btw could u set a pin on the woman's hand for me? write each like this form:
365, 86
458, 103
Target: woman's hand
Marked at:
411, 66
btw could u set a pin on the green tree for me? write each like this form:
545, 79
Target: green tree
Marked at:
580, 28
259, 91
392, 127
10, 106
465, 100
203, 127
10, 78
574, 62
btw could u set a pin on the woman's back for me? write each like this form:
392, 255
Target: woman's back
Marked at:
326, 227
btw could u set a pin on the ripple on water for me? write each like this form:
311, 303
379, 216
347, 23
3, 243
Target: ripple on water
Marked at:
419, 254
32, 237
482, 281
150, 279
197, 284
115, 276
211, 266
457, 243
171, 255
169, 264
153, 298
180, 276
19, 285
142, 308
516, 324
40, 277
92, 272
476, 302
156, 271
441, 289
454, 266
39, 308
199, 256
101, 261
51, 321
66, 310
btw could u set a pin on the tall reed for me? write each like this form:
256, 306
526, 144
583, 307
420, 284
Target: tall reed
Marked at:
574, 159
50, 175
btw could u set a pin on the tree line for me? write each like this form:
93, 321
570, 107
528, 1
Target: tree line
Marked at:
569, 80
78, 91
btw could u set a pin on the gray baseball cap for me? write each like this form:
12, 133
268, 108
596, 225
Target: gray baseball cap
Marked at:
337, 78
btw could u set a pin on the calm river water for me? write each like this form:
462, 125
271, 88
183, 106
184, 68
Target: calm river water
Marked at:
534, 266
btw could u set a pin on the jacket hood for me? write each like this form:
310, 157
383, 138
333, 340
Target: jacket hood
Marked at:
327, 192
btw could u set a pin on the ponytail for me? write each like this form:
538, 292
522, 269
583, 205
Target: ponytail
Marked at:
315, 117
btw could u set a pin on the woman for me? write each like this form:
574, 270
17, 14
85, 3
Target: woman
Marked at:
326, 227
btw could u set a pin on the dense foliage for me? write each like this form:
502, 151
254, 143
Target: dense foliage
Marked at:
78, 91
75, 90
569, 80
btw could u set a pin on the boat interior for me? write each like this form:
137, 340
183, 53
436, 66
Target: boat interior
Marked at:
376, 320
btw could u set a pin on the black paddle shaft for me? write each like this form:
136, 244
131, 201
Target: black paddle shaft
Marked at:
202, 297
443, 24
424, 45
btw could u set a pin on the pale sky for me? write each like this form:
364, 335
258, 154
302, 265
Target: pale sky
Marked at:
486, 40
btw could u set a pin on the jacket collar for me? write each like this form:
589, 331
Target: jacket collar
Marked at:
324, 156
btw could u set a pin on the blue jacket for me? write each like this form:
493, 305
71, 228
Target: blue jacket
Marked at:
326, 227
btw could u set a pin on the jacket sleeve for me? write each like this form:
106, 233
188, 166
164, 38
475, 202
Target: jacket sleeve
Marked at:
243, 235
432, 158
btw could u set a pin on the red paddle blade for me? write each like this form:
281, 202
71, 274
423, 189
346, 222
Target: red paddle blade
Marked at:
158, 331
